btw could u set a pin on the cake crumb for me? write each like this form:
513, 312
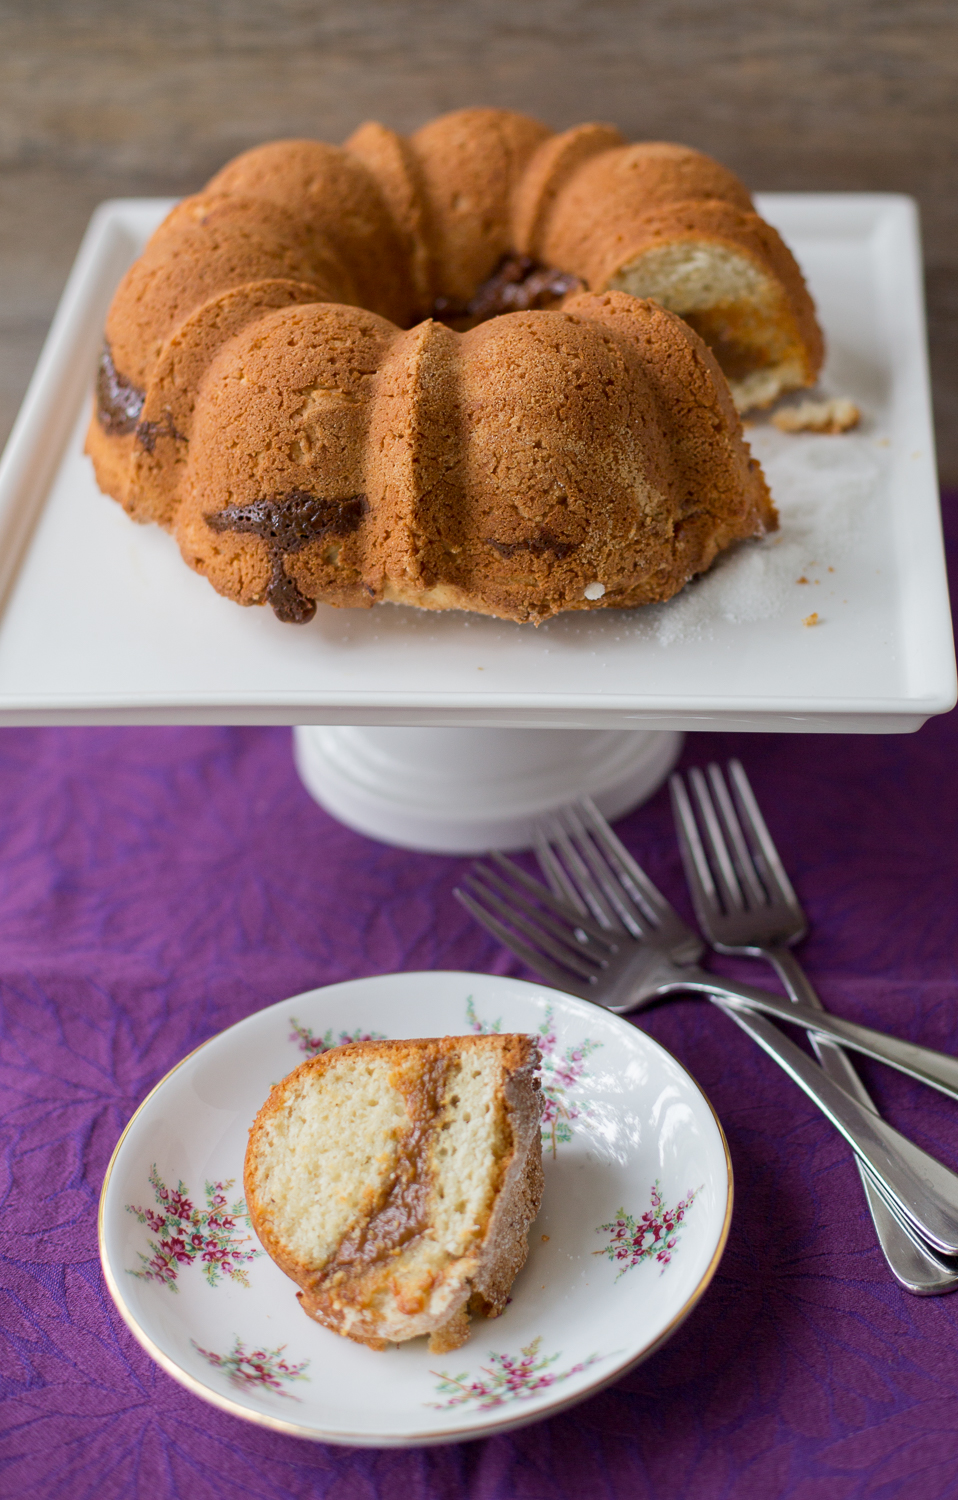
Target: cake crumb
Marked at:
803, 579
837, 415
811, 619
545, 1239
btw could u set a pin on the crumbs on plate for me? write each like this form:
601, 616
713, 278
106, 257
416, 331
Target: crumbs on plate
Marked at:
837, 415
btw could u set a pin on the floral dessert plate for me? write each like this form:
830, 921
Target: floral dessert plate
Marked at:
638, 1196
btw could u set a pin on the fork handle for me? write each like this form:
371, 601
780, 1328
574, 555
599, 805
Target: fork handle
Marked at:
925, 1191
934, 1068
801, 991
914, 1264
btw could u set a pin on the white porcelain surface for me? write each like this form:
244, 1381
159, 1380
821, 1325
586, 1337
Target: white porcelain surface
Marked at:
463, 791
624, 1117
104, 623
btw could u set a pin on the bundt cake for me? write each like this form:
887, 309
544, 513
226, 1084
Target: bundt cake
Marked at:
450, 370
395, 1183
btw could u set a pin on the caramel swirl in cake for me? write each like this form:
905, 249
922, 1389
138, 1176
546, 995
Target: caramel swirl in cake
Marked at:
542, 545
118, 401
394, 1182
287, 524
148, 432
518, 284
403, 1212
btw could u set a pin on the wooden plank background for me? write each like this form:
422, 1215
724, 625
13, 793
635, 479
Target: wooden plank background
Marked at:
102, 98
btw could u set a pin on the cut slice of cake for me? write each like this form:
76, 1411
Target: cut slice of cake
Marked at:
395, 1183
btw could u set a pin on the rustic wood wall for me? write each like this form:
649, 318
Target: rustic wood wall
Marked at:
112, 97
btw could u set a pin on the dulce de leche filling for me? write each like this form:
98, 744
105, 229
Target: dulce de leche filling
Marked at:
118, 401
518, 284
402, 1211
287, 523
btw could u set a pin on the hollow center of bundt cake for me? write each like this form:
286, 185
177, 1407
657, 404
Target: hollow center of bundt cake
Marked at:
517, 285
287, 523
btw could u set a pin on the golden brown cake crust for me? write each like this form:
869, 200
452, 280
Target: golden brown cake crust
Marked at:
552, 165
390, 1267
468, 465
283, 412
393, 162
274, 392
161, 451
342, 208
589, 223
471, 163
206, 246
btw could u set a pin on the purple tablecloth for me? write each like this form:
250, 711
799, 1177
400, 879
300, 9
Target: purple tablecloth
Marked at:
158, 885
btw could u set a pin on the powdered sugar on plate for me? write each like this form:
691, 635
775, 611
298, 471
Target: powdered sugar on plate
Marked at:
824, 488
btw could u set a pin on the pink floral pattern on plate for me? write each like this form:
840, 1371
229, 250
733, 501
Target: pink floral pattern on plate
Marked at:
561, 1073
314, 1045
262, 1369
654, 1236
507, 1379
210, 1235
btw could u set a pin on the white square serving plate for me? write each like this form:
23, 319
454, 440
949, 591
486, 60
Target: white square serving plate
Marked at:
101, 622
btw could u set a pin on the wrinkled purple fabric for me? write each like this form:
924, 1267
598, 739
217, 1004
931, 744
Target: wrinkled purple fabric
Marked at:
156, 885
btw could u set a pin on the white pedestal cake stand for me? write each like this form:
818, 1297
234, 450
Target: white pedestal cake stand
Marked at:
462, 791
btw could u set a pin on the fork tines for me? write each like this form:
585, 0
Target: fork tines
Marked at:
730, 860
638, 904
578, 852
597, 902
545, 930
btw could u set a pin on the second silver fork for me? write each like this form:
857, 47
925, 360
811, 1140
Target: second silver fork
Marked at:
746, 905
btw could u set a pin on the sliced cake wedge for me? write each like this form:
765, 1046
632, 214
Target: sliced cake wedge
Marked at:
395, 1182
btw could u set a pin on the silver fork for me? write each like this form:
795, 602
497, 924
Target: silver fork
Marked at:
745, 904
636, 948
620, 944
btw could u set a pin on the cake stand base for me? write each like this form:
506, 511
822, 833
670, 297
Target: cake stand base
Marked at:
463, 791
